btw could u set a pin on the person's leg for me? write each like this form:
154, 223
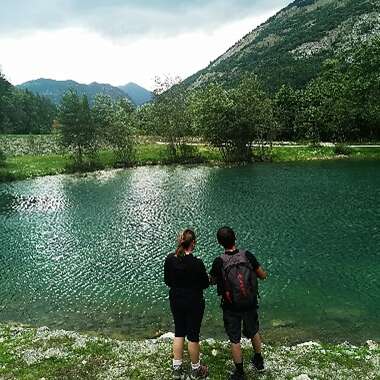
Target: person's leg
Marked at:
256, 343
178, 343
236, 353
193, 348
251, 330
179, 339
194, 321
232, 325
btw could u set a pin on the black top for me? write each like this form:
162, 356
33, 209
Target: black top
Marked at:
217, 272
187, 272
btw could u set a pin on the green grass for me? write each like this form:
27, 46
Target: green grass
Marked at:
29, 166
29, 354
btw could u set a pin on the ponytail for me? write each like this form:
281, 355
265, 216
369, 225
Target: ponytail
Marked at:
185, 239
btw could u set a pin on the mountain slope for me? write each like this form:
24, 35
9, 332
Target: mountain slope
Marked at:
292, 45
54, 90
138, 94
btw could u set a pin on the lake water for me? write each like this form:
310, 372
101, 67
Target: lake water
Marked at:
87, 253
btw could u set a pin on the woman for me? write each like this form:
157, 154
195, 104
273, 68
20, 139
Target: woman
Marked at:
187, 277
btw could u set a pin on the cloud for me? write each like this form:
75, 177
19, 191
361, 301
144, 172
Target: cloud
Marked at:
119, 19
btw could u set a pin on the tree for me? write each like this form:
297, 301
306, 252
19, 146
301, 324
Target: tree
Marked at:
78, 132
170, 115
115, 122
287, 103
233, 120
23, 112
254, 118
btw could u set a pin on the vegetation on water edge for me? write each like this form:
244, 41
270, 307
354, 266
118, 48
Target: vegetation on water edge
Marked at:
27, 353
29, 166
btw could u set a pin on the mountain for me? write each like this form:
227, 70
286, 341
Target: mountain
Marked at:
137, 94
291, 46
54, 89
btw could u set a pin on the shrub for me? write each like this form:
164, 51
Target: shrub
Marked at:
83, 166
342, 149
2, 158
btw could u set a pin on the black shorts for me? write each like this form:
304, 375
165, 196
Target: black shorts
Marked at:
187, 315
232, 324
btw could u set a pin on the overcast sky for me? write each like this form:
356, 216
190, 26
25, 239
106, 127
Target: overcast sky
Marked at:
121, 41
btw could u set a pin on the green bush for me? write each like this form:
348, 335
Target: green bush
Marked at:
83, 166
2, 158
342, 149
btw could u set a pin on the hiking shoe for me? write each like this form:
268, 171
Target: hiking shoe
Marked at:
258, 363
237, 376
178, 373
199, 373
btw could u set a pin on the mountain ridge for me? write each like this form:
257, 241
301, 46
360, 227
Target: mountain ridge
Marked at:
291, 46
138, 94
55, 89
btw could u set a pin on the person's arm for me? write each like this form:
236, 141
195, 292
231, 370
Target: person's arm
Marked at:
203, 276
260, 272
167, 273
214, 272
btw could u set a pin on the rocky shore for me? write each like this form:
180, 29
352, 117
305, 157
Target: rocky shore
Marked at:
41, 353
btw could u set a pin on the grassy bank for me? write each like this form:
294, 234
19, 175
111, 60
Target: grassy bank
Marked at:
28, 166
28, 353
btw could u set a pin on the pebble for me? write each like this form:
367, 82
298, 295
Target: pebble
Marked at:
301, 377
167, 336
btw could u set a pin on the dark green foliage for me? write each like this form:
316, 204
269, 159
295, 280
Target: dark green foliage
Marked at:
21, 112
2, 158
232, 120
77, 130
169, 118
115, 122
341, 104
342, 149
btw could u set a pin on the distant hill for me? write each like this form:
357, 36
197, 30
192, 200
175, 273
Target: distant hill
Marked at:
137, 94
54, 90
291, 46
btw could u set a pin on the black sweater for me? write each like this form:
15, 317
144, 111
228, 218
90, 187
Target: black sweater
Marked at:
186, 273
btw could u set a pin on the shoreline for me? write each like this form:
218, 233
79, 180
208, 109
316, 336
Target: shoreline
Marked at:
40, 353
30, 166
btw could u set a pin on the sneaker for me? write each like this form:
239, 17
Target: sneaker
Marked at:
178, 373
258, 363
237, 376
199, 373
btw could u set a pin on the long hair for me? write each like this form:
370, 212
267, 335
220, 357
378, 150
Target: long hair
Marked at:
185, 239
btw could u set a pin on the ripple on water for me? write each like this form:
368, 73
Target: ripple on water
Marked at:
88, 252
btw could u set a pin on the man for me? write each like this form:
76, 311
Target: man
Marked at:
235, 273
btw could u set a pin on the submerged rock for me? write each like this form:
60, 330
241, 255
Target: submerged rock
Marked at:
372, 345
281, 323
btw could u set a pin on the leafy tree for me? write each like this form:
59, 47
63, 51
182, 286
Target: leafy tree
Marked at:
254, 118
170, 117
287, 103
233, 120
115, 122
343, 103
213, 113
78, 132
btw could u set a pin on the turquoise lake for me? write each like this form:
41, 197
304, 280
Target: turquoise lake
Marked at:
87, 253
